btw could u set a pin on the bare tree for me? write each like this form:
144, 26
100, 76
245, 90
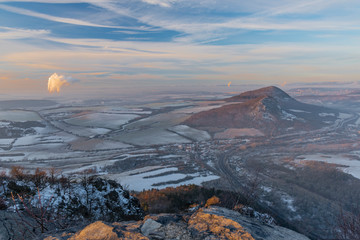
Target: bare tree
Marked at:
252, 189
35, 216
348, 225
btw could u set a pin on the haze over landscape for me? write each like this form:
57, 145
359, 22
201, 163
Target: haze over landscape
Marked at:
169, 119
144, 46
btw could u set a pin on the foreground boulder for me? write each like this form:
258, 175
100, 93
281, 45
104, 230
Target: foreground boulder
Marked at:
206, 223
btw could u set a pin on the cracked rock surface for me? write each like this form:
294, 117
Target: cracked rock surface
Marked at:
206, 223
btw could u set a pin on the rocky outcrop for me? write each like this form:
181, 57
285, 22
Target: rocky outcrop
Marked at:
257, 229
218, 227
91, 198
205, 223
42, 206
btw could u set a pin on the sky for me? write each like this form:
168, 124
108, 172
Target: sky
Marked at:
138, 46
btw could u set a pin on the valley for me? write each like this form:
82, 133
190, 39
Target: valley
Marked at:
297, 161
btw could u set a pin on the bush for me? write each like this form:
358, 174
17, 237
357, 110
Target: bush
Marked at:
212, 201
181, 198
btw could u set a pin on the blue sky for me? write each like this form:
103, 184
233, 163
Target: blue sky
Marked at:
143, 44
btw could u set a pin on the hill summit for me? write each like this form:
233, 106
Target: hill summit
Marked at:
262, 112
271, 91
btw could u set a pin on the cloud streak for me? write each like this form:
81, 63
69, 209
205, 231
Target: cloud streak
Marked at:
17, 33
72, 21
204, 41
162, 3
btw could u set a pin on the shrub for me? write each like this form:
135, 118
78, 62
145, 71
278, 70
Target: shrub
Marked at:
212, 201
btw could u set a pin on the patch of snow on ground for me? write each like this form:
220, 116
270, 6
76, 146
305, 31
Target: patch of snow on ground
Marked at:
287, 116
100, 131
27, 140
299, 111
148, 178
266, 189
135, 180
44, 130
289, 201
4, 124
326, 114
358, 121
210, 163
267, 116
344, 116
197, 180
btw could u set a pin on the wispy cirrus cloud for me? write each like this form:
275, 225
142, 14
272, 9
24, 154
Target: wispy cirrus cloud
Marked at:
162, 3
205, 28
205, 41
18, 33
72, 21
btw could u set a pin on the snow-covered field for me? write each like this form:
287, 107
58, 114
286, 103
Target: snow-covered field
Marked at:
150, 137
19, 116
79, 130
352, 165
101, 120
152, 130
6, 141
158, 177
192, 133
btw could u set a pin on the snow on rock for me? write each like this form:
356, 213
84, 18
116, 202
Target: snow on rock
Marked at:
91, 197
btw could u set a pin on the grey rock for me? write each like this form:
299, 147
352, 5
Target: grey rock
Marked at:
257, 229
151, 229
177, 231
211, 223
